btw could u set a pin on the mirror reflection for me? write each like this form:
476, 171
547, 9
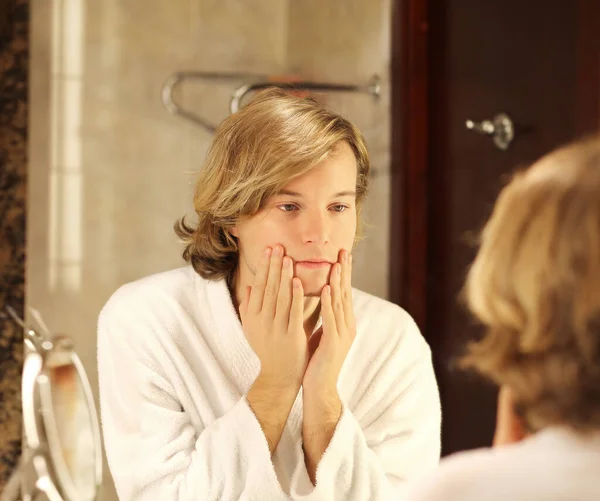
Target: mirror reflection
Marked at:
264, 234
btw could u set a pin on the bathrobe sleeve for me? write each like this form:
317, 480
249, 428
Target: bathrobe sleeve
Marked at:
396, 440
153, 450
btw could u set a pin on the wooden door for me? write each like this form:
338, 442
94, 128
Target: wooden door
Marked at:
454, 60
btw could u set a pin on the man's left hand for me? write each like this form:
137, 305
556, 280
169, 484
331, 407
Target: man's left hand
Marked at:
322, 404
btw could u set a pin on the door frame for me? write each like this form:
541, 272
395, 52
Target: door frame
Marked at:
409, 157
411, 56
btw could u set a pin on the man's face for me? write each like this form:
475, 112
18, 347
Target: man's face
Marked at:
313, 218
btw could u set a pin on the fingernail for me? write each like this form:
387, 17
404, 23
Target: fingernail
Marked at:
268, 251
338, 269
278, 251
344, 256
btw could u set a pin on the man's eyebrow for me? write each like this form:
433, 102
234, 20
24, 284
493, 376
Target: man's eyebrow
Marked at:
289, 193
347, 193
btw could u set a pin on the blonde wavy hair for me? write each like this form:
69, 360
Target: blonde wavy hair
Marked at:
275, 138
535, 285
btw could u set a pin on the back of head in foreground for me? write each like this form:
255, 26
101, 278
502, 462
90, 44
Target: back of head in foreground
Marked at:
535, 288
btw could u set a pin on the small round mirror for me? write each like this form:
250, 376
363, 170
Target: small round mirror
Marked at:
71, 424
62, 455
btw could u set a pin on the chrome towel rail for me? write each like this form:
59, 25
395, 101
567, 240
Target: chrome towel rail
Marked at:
259, 82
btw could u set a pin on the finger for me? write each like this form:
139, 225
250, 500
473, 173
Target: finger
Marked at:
347, 291
244, 303
329, 326
272, 286
284, 297
260, 282
346, 273
336, 297
297, 308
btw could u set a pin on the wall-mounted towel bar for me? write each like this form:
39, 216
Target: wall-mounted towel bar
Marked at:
373, 87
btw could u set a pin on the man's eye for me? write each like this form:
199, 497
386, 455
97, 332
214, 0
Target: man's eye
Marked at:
287, 207
339, 208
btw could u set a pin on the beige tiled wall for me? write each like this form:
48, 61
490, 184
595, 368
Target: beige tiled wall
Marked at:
111, 169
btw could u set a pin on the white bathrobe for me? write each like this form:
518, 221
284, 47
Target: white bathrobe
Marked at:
174, 368
552, 465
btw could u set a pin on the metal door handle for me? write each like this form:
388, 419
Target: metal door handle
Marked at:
501, 128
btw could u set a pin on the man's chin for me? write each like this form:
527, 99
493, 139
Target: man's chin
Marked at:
313, 281
312, 286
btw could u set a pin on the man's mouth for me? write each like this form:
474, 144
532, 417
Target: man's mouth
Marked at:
314, 264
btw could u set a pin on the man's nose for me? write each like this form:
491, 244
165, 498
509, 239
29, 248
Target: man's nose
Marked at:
315, 228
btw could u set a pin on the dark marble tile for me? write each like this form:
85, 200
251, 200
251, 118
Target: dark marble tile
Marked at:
14, 60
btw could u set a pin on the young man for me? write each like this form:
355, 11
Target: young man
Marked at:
534, 286
258, 372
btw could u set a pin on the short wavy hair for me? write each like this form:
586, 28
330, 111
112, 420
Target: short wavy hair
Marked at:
535, 286
275, 138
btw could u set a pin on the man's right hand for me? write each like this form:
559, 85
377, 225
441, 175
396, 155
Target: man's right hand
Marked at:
272, 319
